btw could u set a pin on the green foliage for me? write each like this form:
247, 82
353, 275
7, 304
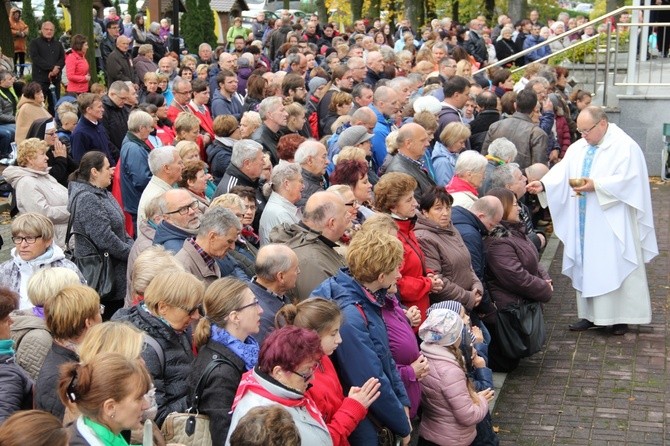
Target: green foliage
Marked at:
50, 16
206, 25
190, 27
117, 6
28, 16
132, 10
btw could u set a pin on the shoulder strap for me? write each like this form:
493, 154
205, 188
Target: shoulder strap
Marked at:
204, 378
360, 309
68, 231
153, 343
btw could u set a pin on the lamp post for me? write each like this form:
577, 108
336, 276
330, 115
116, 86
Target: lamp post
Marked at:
175, 26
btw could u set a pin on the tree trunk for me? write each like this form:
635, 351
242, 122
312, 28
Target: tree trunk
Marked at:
322, 11
454, 11
413, 13
6, 40
356, 9
375, 8
82, 23
287, 4
517, 9
489, 10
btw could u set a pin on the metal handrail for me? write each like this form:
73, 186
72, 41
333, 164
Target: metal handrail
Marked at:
572, 31
566, 49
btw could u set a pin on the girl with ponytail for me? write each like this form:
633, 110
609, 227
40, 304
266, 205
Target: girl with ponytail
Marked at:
341, 414
109, 393
232, 317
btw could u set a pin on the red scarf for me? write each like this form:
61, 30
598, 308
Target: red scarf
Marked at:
459, 185
249, 383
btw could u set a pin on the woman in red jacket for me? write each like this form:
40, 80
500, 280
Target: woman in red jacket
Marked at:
394, 195
76, 66
341, 414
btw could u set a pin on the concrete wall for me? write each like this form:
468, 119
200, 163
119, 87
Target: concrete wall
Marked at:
642, 118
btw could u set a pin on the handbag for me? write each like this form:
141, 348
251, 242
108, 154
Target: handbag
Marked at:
385, 436
97, 267
520, 331
192, 428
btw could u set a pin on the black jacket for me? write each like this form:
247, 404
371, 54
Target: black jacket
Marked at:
399, 163
219, 390
16, 388
120, 68
106, 47
373, 77
218, 157
170, 377
268, 139
45, 55
46, 387
115, 121
480, 125
234, 177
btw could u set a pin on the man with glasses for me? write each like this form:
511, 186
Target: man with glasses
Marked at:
277, 270
116, 114
216, 236
357, 67
181, 219
608, 228
166, 166
109, 41
182, 90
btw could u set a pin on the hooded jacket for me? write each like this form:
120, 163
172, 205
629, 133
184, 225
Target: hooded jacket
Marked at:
27, 112
318, 259
16, 388
37, 191
171, 237
218, 157
364, 352
32, 341
19, 31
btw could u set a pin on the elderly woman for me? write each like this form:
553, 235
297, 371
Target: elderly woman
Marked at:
194, 178
32, 235
16, 386
225, 335
32, 340
501, 151
286, 185
98, 222
354, 173
244, 254
288, 145
149, 263
36, 190
249, 123
468, 176
69, 315
394, 195
446, 151
60, 161
171, 303
374, 259
513, 270
227, 131
445, 251
109, 393
287, 362
505, 46
29, 109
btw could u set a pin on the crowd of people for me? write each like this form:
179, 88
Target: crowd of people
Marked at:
308, 236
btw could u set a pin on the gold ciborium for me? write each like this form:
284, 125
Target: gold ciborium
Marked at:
577, 182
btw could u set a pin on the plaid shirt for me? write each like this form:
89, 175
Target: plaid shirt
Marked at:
209, 260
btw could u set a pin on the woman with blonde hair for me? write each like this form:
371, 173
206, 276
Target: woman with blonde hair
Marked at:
187, 128
225, 334
109, 393
445, 153
341, 414
149, 263
374, 259
32, 339
340, 105
464, 69
172, 301
69, 315
36, 190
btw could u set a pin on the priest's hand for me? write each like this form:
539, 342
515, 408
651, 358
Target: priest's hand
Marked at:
589, 186
534, 187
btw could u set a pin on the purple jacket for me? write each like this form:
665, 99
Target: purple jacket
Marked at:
404, 349
242, 79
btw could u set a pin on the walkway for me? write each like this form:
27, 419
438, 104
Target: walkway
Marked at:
591, 388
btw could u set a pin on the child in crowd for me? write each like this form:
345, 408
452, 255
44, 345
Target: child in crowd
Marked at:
68, 120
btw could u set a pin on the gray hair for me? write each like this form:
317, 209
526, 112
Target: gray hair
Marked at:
305, 150
293, 59
269, 104
284, 171
340, 189
139, 118
119, 87
537, 80
243, 150
503, 175
398, 82
154, 28
470, 161
503, 148
218, 220
271, 265
203, 46
161, 157
319, 215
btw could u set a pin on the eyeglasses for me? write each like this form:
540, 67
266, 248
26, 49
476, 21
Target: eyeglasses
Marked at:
586, 132
252, 304
184, 92
30, 239
184, 209
354, 203
191, 311
307, 376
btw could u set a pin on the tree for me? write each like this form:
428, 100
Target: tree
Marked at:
356, 9
132, 10
50, 16
190, 27
206, 24
28, 16
82, 23
322, 11
6, 40
117, 6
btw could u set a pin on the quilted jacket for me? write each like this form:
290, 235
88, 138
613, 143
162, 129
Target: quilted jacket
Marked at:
32, 341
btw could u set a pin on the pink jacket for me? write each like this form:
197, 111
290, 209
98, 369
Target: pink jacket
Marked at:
449, 414
76, 68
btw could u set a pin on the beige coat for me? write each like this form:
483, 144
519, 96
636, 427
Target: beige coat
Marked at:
27, 112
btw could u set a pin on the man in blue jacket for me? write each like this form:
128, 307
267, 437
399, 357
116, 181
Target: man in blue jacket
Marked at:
385, 104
